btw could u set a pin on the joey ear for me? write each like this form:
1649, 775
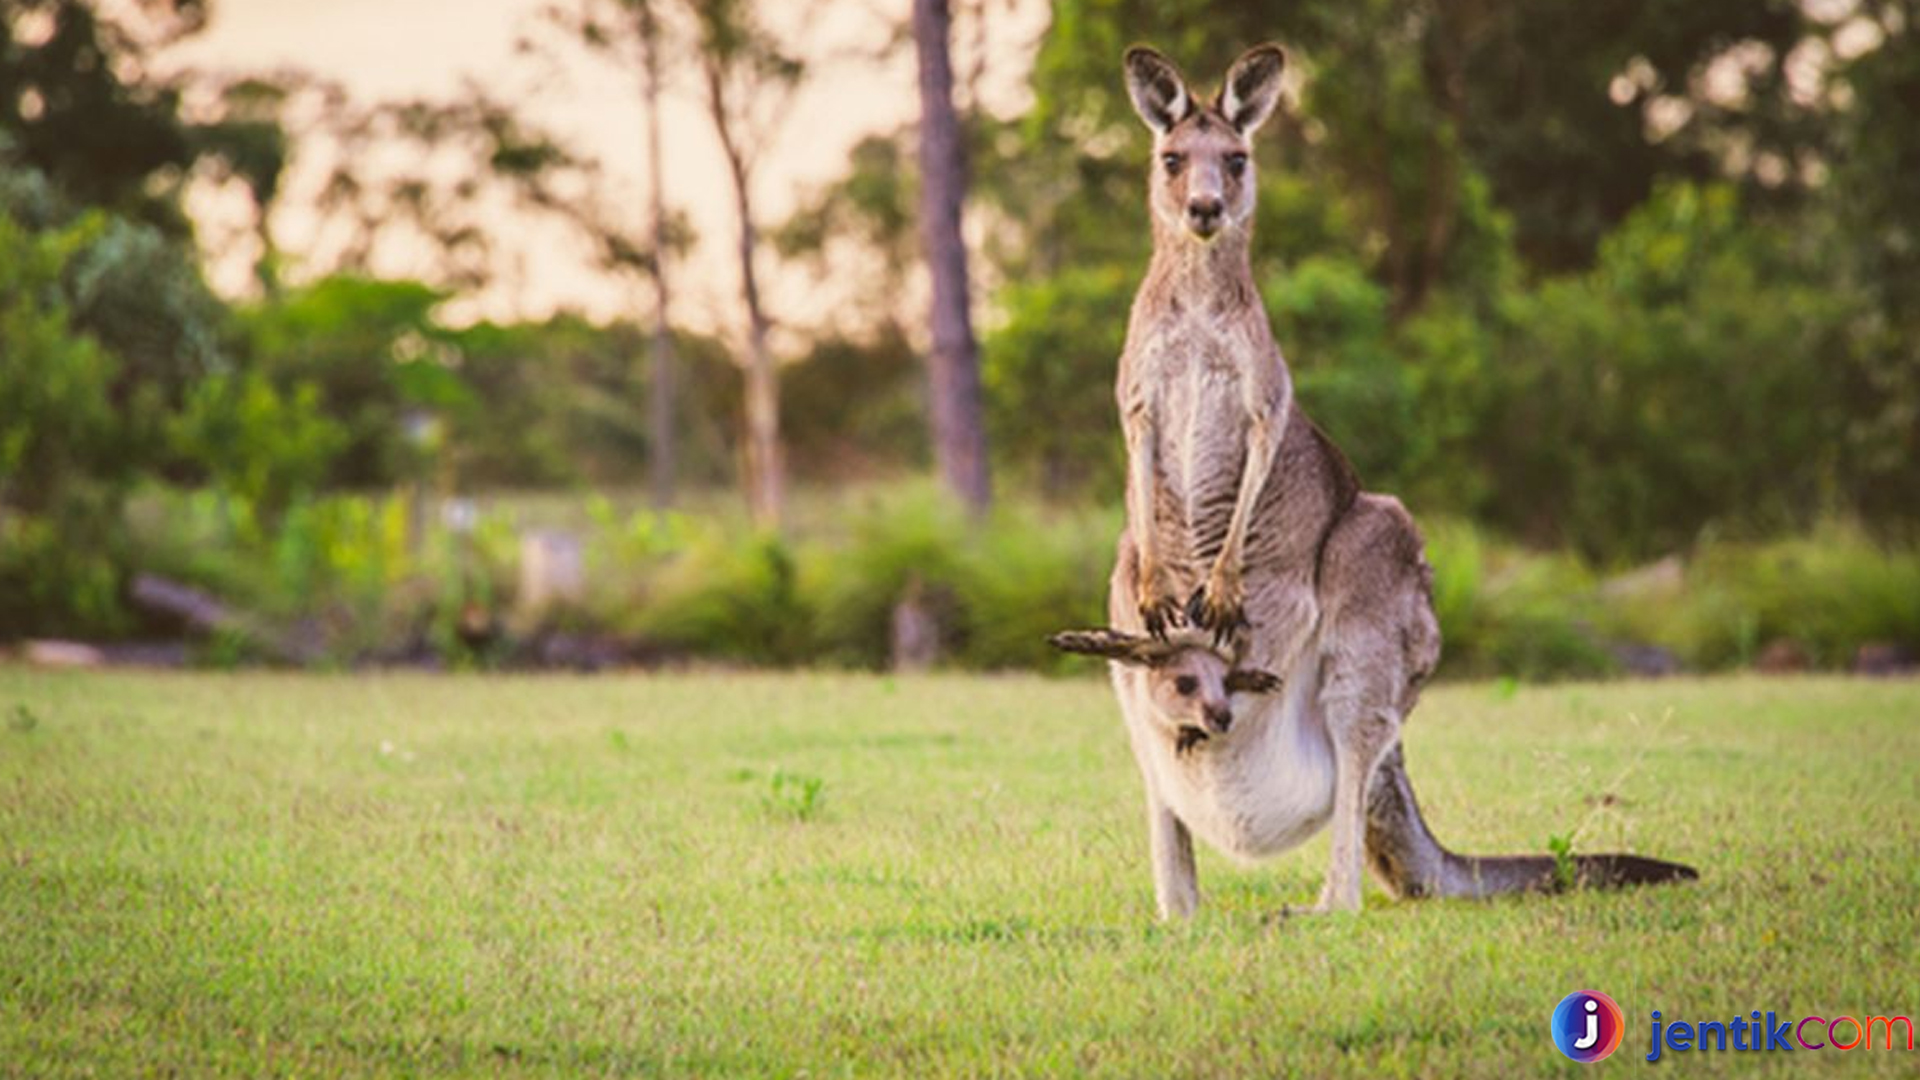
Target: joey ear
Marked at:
1112, 644
1158, 91
1252, 681
1253, 87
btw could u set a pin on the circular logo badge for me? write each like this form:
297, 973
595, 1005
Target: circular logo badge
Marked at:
1587, 1025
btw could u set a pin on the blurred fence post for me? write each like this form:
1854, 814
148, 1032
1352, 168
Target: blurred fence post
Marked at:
553, 569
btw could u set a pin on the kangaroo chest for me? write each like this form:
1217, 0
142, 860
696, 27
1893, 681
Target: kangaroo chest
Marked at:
1200, 404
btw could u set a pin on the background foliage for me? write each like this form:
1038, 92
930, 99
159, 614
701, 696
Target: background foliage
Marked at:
1588, 284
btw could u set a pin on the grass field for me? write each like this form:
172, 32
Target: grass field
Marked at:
787, 875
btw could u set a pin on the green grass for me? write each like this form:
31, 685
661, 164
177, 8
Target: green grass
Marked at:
738, 875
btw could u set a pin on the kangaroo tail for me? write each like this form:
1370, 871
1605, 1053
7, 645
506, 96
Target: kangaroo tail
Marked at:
1407, 858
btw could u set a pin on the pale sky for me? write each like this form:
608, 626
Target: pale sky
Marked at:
405, 48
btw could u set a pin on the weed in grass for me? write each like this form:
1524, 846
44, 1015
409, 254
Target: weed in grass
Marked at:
22, 719
793, 795
1563, 864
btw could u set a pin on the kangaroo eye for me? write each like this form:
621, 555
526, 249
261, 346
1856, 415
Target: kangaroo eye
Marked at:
1186, 684
1173, 163
1236, 164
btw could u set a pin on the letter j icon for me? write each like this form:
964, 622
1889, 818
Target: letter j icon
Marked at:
1587, 1025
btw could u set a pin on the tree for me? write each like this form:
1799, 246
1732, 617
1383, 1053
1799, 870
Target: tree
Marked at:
748, 80
665, 443
76, 113
959, 435
620, 30
433, 217
1874, 199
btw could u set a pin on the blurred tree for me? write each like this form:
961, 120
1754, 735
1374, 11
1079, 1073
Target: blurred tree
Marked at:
1404, 102
370, 351
427, 211
1465, 191
263, 447
749, 81
1697, 374
1872, 96
636, 28
959, 434
58, 428
75, 101
248, 143
746, 82
1568, 107
860, 229
665, 439
563, 401
1049, 378
854, 407
65, 459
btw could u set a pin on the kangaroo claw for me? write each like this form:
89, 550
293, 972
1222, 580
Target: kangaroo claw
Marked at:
1160, 615
1208, 611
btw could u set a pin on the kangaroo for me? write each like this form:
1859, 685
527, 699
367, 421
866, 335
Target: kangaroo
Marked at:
1268, 704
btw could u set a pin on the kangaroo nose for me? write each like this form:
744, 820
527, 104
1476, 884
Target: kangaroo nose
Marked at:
1219, 718
1205, 211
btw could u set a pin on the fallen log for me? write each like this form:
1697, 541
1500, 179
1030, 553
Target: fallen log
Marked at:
209, 614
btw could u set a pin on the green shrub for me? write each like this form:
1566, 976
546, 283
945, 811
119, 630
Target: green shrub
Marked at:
729, 595
1028, 574
1829, 591
908, 537
1506, 611
997, 587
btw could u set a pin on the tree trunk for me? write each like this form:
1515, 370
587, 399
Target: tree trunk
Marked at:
764, 465
663, 461
959, 436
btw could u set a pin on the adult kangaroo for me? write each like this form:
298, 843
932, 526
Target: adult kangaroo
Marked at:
1271, 623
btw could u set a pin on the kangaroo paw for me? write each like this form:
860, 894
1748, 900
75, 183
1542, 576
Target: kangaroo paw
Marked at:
1219, 607
1160, 614
1159, 609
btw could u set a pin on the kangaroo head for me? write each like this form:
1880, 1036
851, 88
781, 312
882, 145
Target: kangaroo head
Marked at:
1202, 181
1189, 684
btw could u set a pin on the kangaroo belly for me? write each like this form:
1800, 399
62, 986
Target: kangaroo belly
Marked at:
1263, 788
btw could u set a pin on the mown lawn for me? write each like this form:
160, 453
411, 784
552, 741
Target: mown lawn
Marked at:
739, 875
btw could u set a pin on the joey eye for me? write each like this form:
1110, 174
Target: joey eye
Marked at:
1236, 164
1186, 685
1173, 162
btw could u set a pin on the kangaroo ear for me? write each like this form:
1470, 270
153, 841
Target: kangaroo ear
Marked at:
1251, 681
1159, 93
1253, 87
1112, 644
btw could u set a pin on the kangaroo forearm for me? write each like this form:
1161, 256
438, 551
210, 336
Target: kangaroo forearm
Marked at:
1262, 443
1140, 466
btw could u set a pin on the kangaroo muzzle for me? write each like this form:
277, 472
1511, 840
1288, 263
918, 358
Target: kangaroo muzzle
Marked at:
1205, 213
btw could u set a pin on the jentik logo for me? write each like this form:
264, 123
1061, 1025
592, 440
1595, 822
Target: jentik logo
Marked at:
1587, 1025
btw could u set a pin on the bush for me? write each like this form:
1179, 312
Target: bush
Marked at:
710, 587
907, 538
1830, 592
732, 596
998, 587
65, 453
1504, 611
1048, 376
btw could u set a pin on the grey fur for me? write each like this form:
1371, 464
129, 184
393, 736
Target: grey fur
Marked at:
1272, 624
